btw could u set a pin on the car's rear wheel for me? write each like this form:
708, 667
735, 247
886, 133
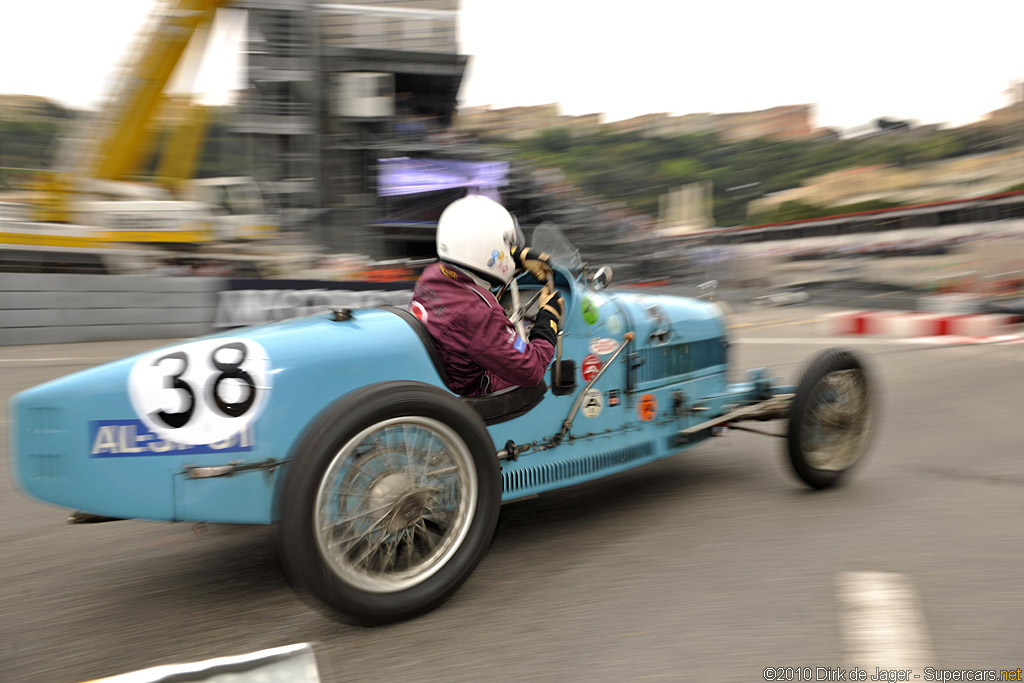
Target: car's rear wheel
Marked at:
390, 501
830, 419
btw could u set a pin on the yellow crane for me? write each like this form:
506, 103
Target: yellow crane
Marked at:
100, 163
119, 150
178, 160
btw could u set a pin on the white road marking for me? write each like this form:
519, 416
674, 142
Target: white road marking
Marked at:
812, 321
881, 623
1003, 339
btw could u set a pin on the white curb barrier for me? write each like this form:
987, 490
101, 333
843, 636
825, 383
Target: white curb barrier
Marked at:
900, 324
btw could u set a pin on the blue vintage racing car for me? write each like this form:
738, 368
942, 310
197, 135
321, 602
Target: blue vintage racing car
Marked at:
384, 485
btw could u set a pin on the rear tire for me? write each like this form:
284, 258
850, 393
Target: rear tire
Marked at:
390, 501
830, 419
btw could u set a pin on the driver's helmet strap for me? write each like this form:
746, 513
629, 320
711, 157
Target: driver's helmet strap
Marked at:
474, 280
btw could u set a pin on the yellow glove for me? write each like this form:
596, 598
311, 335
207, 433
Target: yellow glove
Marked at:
549, 315
534, 262
551, 301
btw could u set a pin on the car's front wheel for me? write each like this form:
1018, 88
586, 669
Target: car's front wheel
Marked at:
390, 501
831, 418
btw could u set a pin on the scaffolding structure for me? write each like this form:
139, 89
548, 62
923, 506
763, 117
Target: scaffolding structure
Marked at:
332, 88
335, 87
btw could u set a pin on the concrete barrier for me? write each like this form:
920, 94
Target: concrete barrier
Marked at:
38, 308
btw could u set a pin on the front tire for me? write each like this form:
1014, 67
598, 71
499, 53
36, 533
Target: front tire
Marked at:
830, 419
390, 501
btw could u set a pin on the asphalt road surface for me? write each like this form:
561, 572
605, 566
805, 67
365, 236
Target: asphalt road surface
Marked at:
711, 566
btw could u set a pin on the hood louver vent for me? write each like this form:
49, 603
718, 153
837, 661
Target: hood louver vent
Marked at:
551, 473
674, 360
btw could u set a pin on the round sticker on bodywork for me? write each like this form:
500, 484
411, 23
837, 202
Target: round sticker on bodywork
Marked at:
201, 392
603, 346
590, 367
614, 323
590, 311
419, 311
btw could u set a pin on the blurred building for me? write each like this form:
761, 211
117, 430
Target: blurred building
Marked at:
1012, 115
405, 25
1016, 92
333, 88
778, 123
686, 209
278, 111
645, 123
519, 123
688, 124
584, 123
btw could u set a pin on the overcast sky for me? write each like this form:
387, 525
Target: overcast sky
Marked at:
933, 61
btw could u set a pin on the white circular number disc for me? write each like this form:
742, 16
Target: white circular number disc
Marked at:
201, 392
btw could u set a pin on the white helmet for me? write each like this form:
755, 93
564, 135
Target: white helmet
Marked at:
476, 233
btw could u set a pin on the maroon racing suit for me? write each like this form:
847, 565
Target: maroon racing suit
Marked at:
479, 347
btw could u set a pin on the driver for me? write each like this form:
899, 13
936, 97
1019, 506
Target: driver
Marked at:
480, 246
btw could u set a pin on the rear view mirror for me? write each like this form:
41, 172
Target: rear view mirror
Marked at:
602, 278
707, 290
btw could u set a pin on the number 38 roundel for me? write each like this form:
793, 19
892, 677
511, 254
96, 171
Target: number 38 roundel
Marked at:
201, 392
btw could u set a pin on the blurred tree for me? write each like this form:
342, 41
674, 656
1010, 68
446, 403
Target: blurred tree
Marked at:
678, 171
798, 211
26, 145
556, 140
933, 148
30, 143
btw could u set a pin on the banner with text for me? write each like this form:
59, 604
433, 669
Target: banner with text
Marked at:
253, 302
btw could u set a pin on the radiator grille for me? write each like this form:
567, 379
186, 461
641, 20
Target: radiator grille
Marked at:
673, 360
554, 472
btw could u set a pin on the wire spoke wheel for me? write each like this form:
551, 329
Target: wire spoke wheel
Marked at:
395, 503
389, 502
831, 418
838, 422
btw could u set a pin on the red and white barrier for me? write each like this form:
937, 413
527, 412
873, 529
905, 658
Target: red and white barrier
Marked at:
900, 324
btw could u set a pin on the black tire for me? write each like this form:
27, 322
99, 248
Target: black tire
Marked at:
334, 576
849, 431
